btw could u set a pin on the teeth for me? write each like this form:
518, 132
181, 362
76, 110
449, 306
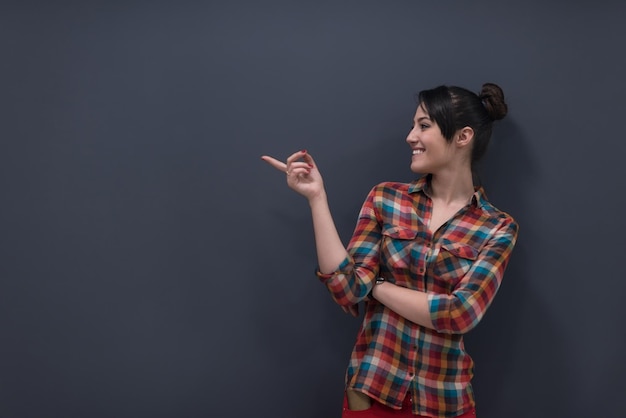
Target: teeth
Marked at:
418, 151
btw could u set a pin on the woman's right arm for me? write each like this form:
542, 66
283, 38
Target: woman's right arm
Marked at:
304, 177
352, 285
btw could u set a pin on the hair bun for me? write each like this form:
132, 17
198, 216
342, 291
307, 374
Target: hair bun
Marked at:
492, 97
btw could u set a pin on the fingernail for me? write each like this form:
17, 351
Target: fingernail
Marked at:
303, 151
311, 165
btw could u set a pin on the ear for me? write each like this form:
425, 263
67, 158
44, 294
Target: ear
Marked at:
463, 137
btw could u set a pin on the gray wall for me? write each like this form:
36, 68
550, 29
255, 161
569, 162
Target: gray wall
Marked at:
151, 265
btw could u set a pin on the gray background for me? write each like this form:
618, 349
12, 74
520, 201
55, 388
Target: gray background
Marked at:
151, 265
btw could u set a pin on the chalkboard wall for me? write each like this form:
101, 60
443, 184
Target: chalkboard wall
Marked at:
151, 265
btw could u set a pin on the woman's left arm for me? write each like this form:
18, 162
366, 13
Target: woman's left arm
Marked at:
462, 310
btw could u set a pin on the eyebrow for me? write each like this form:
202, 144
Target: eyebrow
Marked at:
423, 118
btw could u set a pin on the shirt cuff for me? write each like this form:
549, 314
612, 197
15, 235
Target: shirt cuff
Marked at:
344, 268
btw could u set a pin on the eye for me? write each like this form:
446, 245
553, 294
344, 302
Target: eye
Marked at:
424, 126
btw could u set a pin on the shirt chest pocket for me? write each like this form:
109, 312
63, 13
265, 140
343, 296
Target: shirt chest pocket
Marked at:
396, 247
454, 261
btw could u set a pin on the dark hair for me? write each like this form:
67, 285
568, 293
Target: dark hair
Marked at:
453, 108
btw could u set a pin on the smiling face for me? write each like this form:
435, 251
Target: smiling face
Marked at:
431, 151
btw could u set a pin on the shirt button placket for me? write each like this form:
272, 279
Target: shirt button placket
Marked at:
427, 255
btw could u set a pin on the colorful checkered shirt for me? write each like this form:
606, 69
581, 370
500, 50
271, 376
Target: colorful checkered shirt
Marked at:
460, 267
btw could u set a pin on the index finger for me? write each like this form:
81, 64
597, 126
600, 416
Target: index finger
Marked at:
277, 164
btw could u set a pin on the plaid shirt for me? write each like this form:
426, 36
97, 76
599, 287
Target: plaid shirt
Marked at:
460, 267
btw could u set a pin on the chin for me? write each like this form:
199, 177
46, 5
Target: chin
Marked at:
418, 169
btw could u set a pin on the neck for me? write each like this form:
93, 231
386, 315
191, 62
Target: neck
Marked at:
452, 187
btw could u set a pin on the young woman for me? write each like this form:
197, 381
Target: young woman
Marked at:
426, 257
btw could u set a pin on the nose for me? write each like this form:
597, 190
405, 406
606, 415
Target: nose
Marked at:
411, 138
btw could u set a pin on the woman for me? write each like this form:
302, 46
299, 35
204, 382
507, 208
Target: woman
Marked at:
427, 257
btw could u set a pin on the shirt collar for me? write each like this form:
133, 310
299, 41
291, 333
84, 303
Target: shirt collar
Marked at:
422, 184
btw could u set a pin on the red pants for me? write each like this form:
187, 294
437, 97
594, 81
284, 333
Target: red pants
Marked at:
379, 410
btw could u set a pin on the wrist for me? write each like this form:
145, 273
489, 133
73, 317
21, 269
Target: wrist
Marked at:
317, 199
377, 284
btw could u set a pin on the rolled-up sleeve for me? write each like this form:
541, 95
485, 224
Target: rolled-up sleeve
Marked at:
460, 311
354, 277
